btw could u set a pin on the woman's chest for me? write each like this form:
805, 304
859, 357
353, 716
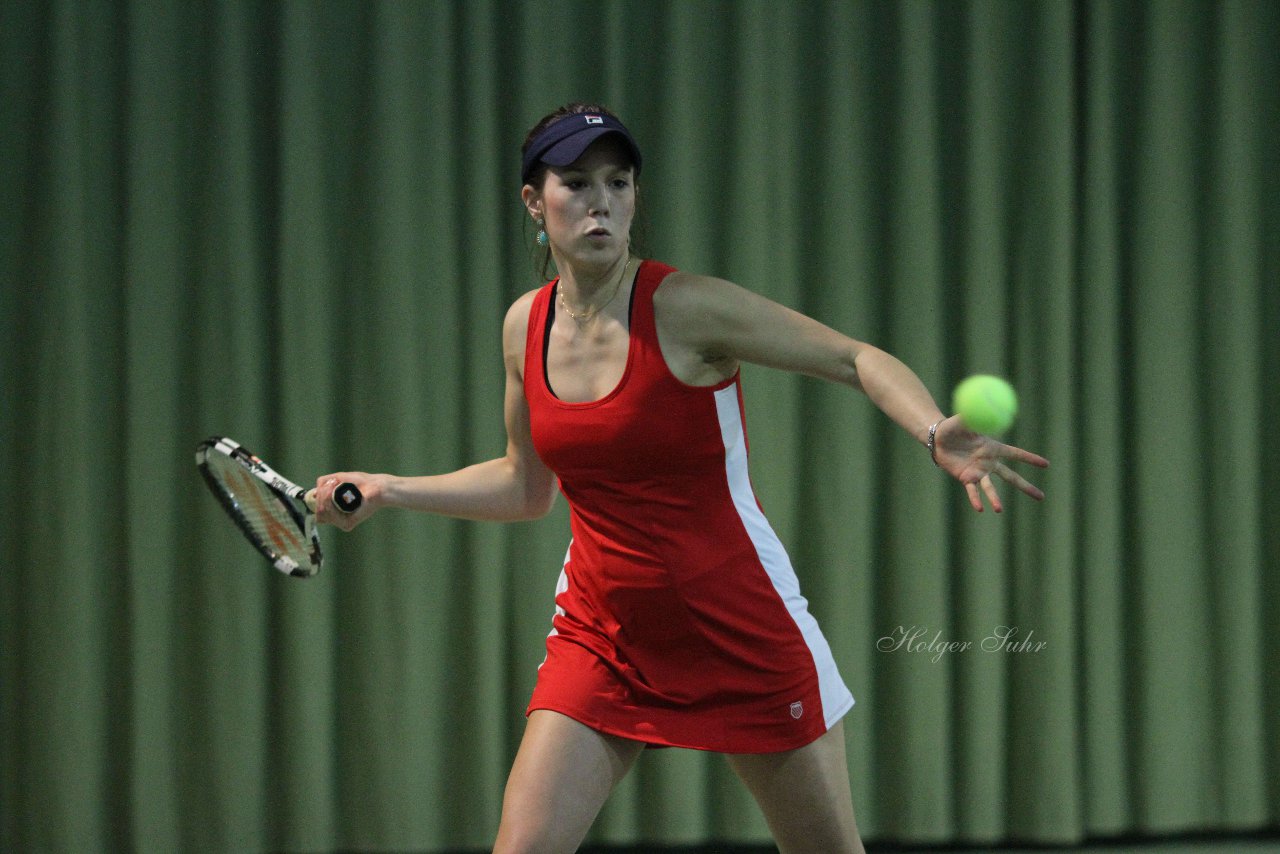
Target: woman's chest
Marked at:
584, 365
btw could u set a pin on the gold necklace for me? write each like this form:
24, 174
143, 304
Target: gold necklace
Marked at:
582, 317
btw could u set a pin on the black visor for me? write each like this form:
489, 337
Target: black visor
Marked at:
564, 140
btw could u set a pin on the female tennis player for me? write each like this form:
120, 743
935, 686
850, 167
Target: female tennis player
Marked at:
678, 620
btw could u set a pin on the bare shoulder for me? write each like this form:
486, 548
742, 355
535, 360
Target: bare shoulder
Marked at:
700, 310
690, 300
720, 322
692, 313
515, 325
518, 313
681, 290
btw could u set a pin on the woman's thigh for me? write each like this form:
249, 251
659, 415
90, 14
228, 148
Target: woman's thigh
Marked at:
805, 795
563, 772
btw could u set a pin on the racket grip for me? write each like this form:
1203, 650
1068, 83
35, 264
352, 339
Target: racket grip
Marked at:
346, 498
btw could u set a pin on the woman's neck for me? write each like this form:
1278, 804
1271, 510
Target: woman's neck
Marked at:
587, 285
582, 307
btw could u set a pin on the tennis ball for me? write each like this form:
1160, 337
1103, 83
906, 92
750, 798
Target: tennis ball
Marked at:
986, 404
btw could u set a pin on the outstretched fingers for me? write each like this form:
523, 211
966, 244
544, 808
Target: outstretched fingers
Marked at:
985, 486
1019, 482
1018, 455
992, 496
976, 461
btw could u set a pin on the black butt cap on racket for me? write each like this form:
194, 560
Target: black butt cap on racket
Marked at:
347, 497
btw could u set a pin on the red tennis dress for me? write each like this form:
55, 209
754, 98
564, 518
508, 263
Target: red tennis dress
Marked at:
678, 620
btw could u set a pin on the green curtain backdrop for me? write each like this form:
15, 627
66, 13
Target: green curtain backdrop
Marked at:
298, 224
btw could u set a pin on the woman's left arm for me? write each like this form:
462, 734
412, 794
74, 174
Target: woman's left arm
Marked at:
722, 323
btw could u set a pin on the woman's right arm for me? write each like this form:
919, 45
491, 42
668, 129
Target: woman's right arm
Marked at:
512, 487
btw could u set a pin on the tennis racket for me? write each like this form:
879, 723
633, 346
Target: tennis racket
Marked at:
275, 514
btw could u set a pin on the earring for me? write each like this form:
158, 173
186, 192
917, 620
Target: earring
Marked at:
542, 234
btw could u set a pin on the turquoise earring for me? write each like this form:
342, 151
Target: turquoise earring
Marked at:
542, 234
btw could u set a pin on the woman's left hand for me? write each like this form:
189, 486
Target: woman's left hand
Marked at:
972, 459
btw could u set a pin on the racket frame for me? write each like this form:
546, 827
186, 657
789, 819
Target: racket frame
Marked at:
292, 498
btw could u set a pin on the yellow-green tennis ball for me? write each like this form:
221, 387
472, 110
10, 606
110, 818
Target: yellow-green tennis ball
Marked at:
986, 404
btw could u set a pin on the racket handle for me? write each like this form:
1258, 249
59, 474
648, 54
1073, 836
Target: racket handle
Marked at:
346, 498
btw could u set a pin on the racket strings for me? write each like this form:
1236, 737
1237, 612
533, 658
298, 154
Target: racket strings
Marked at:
264, 511
262, 514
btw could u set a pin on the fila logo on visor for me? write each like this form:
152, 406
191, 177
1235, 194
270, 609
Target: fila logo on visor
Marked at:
594, 120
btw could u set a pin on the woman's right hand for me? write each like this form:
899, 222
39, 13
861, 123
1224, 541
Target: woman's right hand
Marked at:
372, 487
